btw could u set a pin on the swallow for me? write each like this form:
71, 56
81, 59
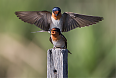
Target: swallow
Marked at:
67, 21
58, 39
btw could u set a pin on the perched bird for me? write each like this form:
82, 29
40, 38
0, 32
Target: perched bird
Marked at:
57, 39
65, 22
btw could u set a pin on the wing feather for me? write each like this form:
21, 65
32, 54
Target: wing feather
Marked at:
50, 39
73, 20
63, 37
41, 19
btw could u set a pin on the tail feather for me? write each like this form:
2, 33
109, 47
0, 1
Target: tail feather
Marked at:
69, 52
40, 31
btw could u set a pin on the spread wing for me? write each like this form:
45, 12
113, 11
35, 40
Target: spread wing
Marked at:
73, 20
41, 19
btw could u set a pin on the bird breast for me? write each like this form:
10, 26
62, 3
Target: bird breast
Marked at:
56, 23
55, 37
58, 42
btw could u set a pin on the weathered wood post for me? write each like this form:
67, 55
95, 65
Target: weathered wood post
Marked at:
57, 63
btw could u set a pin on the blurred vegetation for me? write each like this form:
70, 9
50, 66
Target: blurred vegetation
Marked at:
23, 54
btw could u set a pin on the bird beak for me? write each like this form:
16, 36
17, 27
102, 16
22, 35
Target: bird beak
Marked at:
56, 13
52, 31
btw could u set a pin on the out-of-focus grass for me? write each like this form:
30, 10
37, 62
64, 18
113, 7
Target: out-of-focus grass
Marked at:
23, 54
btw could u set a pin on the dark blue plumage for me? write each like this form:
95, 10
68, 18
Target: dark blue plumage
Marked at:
56, 9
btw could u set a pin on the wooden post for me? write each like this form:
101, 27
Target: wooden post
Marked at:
57, 63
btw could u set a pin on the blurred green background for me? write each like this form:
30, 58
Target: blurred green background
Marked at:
24, 54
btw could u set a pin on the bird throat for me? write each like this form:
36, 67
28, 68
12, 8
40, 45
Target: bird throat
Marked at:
55, 37
56, 17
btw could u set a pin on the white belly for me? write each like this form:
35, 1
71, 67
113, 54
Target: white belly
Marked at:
56, 23
59, 43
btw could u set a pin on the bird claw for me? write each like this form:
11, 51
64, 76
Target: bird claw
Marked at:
54, 48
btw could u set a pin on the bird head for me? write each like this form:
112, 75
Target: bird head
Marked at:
55, 31
56, 11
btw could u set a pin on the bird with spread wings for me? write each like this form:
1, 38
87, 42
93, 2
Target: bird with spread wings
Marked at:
67, 21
